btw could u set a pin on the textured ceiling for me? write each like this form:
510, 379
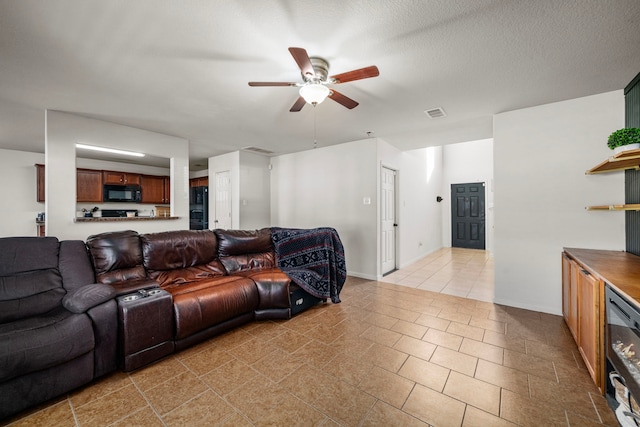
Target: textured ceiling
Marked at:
182, 67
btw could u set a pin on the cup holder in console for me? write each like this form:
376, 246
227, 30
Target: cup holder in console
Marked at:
142, 293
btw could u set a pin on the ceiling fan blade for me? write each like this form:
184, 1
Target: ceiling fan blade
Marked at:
302, 59
271, 84
341, 99
362, 73
298, 105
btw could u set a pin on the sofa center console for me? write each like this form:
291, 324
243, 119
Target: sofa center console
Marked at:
145, 327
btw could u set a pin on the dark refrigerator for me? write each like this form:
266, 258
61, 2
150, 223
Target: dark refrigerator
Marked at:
199, 208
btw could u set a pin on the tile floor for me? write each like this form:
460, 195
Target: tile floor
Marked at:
453, 271
388, 355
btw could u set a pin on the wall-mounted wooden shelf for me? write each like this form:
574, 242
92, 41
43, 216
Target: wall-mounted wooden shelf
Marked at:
630, 207
621, 161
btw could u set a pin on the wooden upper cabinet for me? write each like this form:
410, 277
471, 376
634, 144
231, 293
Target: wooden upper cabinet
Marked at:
120, 178
89, 185
39, 183
155, 189
199, 182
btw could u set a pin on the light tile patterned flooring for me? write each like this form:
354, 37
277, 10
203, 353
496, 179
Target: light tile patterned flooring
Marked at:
453, 271
388, 355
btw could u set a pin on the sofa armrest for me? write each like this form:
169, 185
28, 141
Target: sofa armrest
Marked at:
105, 330
85, 297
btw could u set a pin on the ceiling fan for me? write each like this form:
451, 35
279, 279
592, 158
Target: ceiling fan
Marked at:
314, 88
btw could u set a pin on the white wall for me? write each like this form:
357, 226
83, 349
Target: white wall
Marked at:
541, 191
420, 215
325, 187
463, 163
64, 130
19, 208
255, 191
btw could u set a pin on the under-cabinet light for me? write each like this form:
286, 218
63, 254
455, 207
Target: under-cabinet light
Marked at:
109, 150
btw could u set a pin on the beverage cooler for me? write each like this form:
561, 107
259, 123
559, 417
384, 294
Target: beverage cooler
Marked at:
623, 358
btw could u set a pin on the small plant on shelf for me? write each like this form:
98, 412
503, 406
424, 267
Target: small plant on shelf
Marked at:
623, 137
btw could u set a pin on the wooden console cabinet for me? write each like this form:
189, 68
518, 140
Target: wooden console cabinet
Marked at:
583, 308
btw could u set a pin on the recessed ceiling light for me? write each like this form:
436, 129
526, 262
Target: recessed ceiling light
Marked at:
109, 150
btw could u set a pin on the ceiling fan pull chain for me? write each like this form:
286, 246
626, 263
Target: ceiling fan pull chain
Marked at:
315, 133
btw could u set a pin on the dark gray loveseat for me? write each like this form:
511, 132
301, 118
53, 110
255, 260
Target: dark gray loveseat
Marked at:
58, 330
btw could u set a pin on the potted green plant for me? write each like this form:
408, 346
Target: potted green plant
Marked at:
624, 139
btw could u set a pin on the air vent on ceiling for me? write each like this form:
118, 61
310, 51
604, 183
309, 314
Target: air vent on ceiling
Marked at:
435, 113
258, 150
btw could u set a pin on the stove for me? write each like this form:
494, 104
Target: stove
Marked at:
117, 213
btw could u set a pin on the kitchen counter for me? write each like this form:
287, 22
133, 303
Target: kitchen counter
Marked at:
123, 219
617, 268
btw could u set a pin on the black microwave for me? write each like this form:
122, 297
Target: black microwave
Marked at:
122, 193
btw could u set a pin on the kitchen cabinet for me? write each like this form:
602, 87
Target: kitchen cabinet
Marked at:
591, 324
583, 308
199, 182
89, 185
155, 189
120, 178
570, 294
39, 183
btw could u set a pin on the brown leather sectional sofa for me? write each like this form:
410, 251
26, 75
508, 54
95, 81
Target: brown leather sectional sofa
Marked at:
205, 282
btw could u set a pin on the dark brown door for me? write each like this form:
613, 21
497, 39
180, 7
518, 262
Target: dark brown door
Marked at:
467, 215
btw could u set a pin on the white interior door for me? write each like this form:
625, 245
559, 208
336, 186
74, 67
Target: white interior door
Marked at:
223, 200
388, 218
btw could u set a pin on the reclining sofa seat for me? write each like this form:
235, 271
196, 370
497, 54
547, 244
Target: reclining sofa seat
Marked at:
206, 301
57, 327
251, 254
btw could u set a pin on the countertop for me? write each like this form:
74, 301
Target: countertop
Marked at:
120, 219
617, 268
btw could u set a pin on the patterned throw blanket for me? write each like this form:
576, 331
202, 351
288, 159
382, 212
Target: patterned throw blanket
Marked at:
312, 258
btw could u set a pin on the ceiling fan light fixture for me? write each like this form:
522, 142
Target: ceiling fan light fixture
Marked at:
314, 93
